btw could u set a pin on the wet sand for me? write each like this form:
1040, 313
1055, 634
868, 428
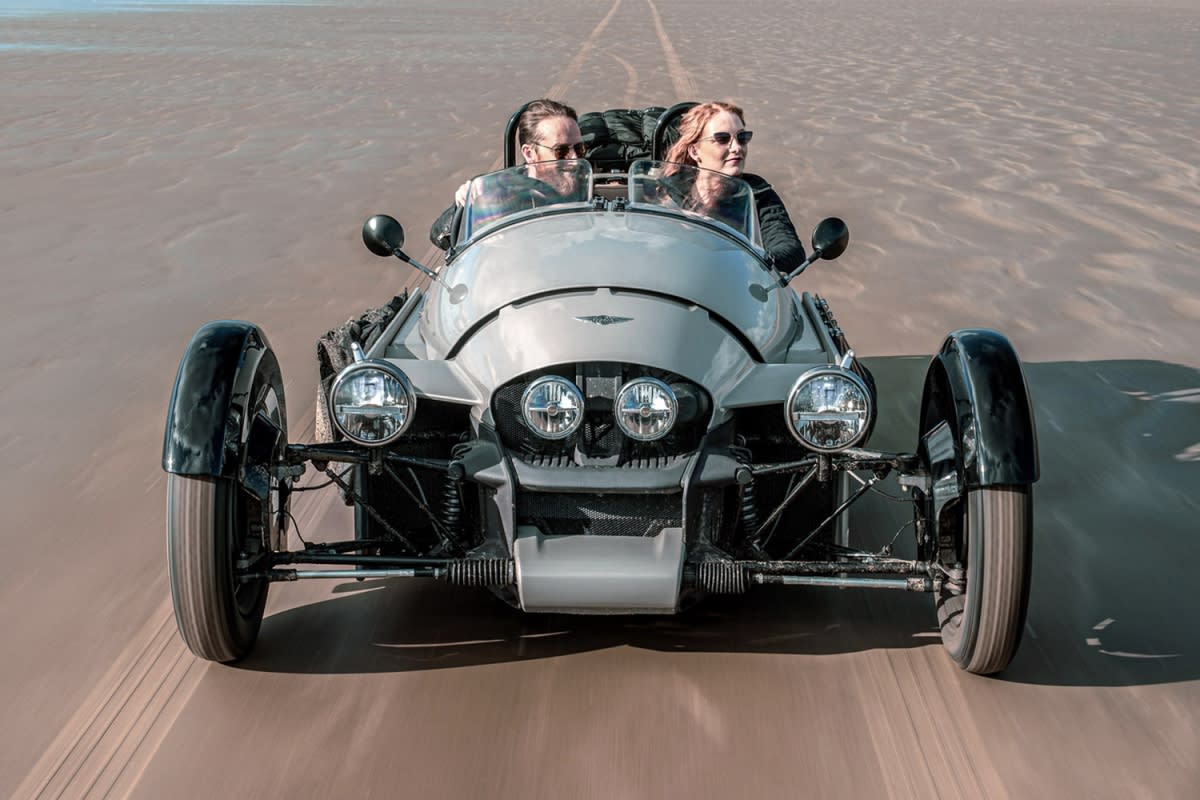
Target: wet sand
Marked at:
1025, 166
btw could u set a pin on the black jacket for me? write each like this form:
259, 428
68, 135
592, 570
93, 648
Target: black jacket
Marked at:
778, 234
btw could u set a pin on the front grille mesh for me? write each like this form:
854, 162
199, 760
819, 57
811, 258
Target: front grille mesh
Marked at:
600, 515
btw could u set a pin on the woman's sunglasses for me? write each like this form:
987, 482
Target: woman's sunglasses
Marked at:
561, 151
725, 137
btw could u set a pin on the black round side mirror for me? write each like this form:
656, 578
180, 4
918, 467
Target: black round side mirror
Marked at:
383, 235
830, 238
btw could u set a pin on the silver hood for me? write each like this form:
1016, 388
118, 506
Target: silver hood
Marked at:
672, 336
641, 253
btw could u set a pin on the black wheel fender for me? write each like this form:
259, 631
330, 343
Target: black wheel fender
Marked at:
208, 426
976, 385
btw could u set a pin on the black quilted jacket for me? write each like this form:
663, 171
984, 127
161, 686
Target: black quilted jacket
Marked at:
778, 233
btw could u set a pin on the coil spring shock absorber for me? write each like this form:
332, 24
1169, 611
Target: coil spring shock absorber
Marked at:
748, 504
451, 506
749, 510
452, 496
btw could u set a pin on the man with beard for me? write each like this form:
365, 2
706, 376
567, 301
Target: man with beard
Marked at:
548, 133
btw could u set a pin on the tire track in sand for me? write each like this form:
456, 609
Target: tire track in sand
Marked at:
631, 80
685, 87
106, 745
136, 701
558, 90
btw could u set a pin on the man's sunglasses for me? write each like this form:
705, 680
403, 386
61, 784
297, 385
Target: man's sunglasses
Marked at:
561, 151
725, 137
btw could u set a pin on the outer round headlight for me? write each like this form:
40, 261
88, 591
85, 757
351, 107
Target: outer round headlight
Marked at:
646, 409
829, 409
552, 407
372, 402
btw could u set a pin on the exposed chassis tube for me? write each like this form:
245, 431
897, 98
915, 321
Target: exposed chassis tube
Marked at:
912, 576
851, 459
921, 583
354, 454
714, 576
719, 576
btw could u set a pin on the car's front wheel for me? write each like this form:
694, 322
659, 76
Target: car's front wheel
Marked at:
981, 614
216, 532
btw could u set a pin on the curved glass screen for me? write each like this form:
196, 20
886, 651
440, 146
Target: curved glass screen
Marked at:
498, 195
657, 186
694, 192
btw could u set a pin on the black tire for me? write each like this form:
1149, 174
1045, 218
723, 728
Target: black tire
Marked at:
982, 625
211, 523
217, 616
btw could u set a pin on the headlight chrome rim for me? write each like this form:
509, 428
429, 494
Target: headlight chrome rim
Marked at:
842, 373
389, 370
666, 392
570, 390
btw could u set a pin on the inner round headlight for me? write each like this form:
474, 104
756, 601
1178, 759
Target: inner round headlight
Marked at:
372, 402
552, 407
646, 409
829, 409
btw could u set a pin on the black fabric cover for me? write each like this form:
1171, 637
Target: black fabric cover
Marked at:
333, 349
619, 136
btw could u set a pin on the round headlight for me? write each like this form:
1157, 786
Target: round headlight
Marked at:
829, 409
372, 402
646, 409
552, 407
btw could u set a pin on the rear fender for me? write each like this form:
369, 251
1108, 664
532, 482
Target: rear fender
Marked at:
207, 422
976, 384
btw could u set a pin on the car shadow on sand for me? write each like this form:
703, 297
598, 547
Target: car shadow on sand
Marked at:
1117, 538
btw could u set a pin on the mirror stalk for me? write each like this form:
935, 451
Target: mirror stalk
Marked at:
803, 266
400, 254
457, 293
829, 241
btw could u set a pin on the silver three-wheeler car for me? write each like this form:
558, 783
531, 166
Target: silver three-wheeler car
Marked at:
607, 401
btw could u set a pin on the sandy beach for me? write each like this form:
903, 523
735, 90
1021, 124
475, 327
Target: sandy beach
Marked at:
1028, 166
